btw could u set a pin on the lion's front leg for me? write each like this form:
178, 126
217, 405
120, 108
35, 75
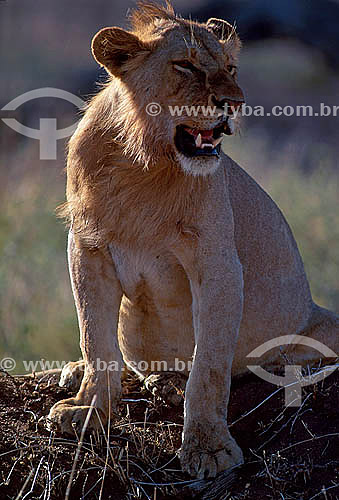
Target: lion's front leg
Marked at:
97, 295
216, 284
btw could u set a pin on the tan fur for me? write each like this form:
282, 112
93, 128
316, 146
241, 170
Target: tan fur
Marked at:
173, 258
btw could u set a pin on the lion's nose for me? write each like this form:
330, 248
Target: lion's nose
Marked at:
227, 103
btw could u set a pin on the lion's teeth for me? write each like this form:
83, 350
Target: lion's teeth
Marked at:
198, 141
207, 145
217, 141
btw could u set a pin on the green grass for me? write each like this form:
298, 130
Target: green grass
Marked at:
309, 202
37, 315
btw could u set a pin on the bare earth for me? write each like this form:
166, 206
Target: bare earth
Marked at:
293, 455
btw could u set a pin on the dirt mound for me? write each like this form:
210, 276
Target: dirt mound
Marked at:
290, 453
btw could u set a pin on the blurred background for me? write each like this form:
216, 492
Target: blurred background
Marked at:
290, 57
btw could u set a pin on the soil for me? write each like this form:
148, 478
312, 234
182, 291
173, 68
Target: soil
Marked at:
290, 453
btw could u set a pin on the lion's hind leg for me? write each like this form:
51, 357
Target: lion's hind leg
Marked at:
72, 374
323, 328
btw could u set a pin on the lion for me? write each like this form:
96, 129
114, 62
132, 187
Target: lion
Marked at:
175, 253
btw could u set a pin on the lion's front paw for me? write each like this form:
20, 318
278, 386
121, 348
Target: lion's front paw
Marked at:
203, 460
69, 418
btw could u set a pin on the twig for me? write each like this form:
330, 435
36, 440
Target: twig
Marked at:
147, 423
19, 495
308, 430
47, 492
92, 488
299, 410
89, 413
330, 368
333, 434
6, 482
34, 479
7, 373
163, 466
256, 407
323, 491
108, 436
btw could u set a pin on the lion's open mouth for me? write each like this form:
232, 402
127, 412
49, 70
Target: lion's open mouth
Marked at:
196, 142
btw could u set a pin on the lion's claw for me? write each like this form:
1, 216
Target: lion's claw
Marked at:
205, 464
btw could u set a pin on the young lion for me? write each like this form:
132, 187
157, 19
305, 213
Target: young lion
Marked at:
174, 251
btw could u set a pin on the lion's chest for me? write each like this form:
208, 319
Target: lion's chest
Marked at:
150, 279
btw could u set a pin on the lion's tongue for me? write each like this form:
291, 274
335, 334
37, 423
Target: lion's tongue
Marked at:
202, 137
205, 134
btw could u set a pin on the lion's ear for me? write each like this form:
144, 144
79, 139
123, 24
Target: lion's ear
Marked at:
113, 47
224, 31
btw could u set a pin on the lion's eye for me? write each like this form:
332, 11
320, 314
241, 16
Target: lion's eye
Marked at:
232, 69
184, 66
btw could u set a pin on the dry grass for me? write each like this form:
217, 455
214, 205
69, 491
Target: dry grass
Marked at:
290, 453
